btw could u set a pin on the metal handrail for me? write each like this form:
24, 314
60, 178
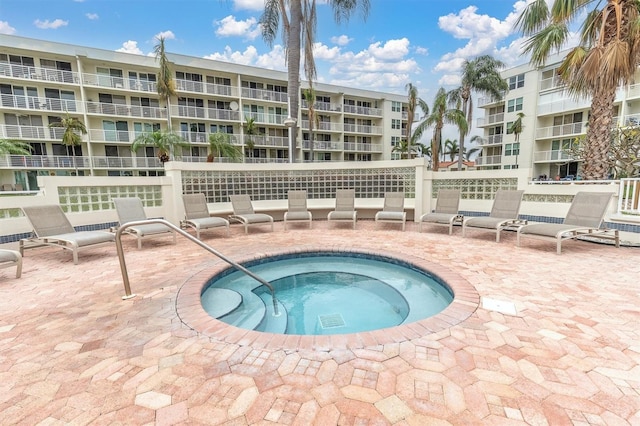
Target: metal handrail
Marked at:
125, 274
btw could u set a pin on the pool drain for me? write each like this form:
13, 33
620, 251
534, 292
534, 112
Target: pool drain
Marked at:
331, 321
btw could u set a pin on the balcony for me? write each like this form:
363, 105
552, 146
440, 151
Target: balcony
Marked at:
563, 104
490, 140
360, 110
362, 147
132, 84
489, 160
268, 141
11, 131
551, 157
482, 102
43, 162
361, 128
266, 95
551, 83
631, 120
633, 91
38, 104
104, 108
35, 73
323, 106
134, 163
571, 129
322, 126
490, 119
261, 117
323, 145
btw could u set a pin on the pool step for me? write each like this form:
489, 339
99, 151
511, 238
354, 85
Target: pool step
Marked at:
218, 302
248, 314
270, 322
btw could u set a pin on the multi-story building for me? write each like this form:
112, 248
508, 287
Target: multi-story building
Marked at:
115, 96
553, 119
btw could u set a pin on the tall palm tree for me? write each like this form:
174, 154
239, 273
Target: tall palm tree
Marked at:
220, 145
250, 129
14, 147
443, 113
166, 85
481, 75
298, 30
165, 141
516, 127
314, 121
451, 149
413, 103
73, 129
607, 56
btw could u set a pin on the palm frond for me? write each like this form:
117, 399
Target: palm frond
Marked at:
534, 18
541, 44
270, 21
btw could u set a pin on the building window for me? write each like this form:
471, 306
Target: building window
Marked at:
396, 124
395, 140
516, 82
396, 106
512, 149
514, 105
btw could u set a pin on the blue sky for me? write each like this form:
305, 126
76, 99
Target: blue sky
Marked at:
419, 41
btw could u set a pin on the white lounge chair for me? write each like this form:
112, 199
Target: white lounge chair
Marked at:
584, 217
505, 212
243, 212
10, 258
131, 210
446, 211
393, 209
345, 207
51, 227
297, 210
197, 214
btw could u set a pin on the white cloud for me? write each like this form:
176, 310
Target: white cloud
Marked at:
248, 57
230, 27
130, 46
257, 5
391, 50
422, 51
50, 25
450, 80
342, 40
167, 35
92, 16
5, 28
324, 52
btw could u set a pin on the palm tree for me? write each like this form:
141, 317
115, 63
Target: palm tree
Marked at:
165, 141
166, 85
220, 145
73, 129
414, 101
314, 121
14, 147
298, 30
516, 127
442, 113
606, 57
250, 129
451, 148
404, 149
480, 75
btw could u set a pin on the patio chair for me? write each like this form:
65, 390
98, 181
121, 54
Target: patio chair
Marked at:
345, 207
446, 211
505, 212
297, 210
584, 217
197, 214
243, 212
131, 210
9, 258
393, 209
51, 227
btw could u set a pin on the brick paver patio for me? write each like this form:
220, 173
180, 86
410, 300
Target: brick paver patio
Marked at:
554, 339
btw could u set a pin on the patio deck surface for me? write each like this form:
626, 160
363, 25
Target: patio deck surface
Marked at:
554, 340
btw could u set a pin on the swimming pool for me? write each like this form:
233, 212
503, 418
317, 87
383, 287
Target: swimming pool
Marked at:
326, 293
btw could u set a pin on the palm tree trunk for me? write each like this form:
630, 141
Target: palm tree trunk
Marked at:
293, 68
598, 141
465, 107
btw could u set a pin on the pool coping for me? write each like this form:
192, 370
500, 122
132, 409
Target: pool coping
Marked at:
191, 313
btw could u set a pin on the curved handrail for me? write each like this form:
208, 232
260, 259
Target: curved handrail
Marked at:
125, 274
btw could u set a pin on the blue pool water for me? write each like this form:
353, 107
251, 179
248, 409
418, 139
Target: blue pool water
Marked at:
325, 293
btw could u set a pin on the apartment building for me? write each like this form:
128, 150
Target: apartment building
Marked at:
553, 119
114, 94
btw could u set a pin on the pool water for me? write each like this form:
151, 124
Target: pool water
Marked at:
326, 293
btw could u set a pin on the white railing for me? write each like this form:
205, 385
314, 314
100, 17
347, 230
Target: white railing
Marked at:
489, 160
267, 95
36, 73
561, 130
551, 156
489, 100
101, 80
40, 103
561, 105
105, 108
322, 145
12, 131
323, 125
360, 128
629, 199
554, 82
323, 106
353, 109
44, 161
100, 162
490, 119
366, 147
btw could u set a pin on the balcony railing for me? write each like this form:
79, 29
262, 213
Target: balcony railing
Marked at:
269, 141
631, 120
490, 140
353, 109
633, 91
361, 128
554, 82
491, 119
40, 104
323, 106
267, 95
490, 100
322, 145
134, 84
562, 105
44, 162
362, 147
100, 162
323, 126
550, 156
489, 160
105, 108
571, 129
36, 73
11, 131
